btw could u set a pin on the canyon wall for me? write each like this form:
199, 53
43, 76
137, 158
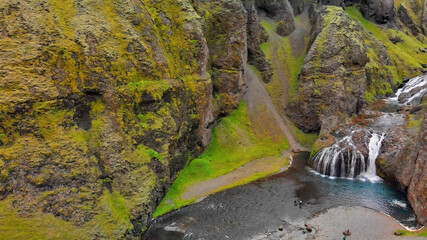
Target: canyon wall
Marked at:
103, 103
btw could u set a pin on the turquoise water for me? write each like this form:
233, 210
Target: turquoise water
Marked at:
247, 211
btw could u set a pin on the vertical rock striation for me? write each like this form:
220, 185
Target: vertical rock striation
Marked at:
101, 102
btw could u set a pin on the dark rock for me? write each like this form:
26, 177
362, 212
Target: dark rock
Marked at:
256, 36
286, 26
336, 58
415, 109
380, 11
281, 228
406, 18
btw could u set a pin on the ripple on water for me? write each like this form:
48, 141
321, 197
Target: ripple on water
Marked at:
259, 208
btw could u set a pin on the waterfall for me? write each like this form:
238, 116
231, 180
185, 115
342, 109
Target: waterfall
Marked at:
344, 159
414, 90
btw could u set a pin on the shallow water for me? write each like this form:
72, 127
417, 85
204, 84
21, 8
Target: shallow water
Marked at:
261, 207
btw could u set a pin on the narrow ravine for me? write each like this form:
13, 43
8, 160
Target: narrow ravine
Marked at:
257, 98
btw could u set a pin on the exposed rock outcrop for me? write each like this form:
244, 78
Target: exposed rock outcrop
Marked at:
100, 103
257, 35
344, 60
404, 163
379, 11
406, 18
417, 192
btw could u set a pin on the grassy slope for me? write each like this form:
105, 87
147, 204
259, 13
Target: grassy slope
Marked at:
405, 56
233, 144
291, 64
423, 233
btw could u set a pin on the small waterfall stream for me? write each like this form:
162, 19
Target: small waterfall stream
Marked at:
345, 159
374, 150
357, 147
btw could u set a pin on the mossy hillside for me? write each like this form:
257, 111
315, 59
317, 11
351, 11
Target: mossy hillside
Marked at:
290, 65
112, 222
414, 10
234, 143
405, 57
100, 103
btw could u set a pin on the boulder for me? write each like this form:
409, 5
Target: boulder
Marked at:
338, 70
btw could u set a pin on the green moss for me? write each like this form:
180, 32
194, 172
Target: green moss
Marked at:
422, 233
405, 56
415, 122
305, 139
154, 88
155, 155
269, 25
38, 226
233, 144
113, 221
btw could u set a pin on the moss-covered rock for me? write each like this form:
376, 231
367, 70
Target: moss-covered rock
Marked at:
350, 61
101, 102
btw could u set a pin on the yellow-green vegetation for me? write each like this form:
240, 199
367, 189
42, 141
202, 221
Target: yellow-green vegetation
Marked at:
422, 233
305, 139
406, 4
405, 56
285, 62
72, 112
112, 221
233, 144
415, 121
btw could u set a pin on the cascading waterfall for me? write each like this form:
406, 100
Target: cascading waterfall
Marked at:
374, 149
344, 159
413, 91
350, 160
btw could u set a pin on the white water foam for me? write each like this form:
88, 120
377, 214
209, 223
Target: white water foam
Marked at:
420, 81
374, 149
401, 204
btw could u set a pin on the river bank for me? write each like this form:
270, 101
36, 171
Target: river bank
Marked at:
258, 209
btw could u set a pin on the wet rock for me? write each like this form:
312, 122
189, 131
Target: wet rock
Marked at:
417, 190
404, 163
415, 109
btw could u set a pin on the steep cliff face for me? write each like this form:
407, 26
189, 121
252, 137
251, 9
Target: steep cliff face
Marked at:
343, 62
404, 162
101, 102
350, 61
417, 192
379, 11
